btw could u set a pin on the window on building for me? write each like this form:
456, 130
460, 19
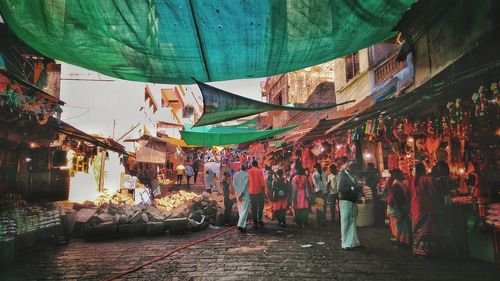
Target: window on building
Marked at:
351, 66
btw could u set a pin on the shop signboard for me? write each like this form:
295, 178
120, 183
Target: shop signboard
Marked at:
129, 182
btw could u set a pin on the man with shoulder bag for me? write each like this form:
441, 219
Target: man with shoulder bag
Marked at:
349, 191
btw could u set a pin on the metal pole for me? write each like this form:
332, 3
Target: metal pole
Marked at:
114, 125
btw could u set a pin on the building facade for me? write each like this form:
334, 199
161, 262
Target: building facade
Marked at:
297, 88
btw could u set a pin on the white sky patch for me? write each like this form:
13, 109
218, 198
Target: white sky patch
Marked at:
94, 100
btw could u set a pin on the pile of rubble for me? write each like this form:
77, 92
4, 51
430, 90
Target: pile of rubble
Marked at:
117, 214
114, 215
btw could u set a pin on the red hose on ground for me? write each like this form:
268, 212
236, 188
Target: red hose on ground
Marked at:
169, 254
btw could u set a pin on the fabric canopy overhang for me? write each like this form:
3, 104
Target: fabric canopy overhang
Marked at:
178, 142
220, 106
171, 41
252, 123
152, 149
218, 136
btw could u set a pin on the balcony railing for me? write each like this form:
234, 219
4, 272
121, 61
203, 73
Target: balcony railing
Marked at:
388, 68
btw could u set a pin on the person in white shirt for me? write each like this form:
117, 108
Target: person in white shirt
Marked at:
189, 173
240, 184
333, 192
319, 181
209, 179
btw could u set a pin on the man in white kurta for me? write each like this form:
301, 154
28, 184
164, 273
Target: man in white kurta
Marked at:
240, 183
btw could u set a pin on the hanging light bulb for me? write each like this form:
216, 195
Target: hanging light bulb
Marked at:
368, 155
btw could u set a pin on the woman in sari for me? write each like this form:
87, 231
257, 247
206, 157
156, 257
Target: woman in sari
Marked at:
422, 213
398, 209
300, 197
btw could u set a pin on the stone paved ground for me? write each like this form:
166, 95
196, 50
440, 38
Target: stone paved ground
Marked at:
267, 254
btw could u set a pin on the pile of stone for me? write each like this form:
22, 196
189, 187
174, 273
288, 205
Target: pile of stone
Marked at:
212, 206
110, 213
208, 206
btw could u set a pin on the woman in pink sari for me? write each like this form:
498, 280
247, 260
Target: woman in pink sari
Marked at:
300, 197
422, 213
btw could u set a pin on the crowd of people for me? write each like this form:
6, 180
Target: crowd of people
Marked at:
412, 203
413, 207
296, 191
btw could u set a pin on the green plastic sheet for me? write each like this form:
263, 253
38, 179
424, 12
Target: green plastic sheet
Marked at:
220, 106
216, 136
252, 123
170, 41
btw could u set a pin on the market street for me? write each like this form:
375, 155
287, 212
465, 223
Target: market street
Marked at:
250, 140
266, 254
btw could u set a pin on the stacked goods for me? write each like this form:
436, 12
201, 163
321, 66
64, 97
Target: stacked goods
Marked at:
493, 214
49, 219
8, 228
17, 217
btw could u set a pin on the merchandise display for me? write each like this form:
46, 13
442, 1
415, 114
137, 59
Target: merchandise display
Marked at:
493, 215
18, 217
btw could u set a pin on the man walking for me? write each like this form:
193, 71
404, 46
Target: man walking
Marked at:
240, 184
196, 168
180, 170
189, 173
257, 189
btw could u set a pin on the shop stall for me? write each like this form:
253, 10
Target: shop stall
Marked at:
456, 138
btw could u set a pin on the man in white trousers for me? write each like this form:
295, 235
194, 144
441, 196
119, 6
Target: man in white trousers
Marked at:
240, 184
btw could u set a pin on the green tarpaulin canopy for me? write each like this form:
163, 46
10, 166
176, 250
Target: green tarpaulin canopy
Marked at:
170, 41
252, 123
214, 136
220, 106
